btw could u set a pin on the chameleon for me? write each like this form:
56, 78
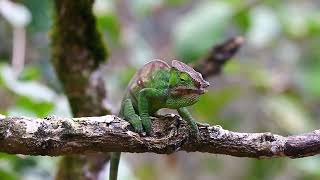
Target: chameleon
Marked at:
155, 86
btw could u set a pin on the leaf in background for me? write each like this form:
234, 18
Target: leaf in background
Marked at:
309, 167
33, 98
300, 21
6, 162
146, 172
41, 109
288, 114
16, 14
107, 19
309, 81
41, 13
110, 24
314, 24
200, 29
265, 26
308, 70
27, 167
264, 169
5, 175
30, 73
243, 21
30, 89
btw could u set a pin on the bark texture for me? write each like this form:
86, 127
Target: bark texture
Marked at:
77, 52
55, 136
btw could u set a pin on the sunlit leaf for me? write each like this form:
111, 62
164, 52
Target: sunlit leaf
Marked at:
110, 24
30, 73
31, 89
41, 109
5, 175
16, 14
107, 19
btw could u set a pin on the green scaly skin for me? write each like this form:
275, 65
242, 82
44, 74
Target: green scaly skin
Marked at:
157, 85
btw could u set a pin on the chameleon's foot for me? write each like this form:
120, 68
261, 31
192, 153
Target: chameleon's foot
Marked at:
147, 127
194, 130
195, 133
137, 125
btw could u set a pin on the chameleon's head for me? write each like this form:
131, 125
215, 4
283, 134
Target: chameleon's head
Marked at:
185, 85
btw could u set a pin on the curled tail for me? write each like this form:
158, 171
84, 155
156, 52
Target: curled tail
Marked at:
115, 158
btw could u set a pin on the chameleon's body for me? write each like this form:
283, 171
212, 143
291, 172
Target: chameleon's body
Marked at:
157, 85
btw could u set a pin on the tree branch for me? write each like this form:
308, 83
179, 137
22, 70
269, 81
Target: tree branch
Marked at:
213, 62
77, 52
55, 136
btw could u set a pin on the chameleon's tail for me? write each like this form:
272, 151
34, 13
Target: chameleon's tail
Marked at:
115, 158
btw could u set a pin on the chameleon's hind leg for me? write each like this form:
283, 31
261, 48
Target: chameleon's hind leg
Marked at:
131, 116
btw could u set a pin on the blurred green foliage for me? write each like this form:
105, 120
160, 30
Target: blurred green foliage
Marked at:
264, 169
212, 103
272, 85
41, 14
200, 28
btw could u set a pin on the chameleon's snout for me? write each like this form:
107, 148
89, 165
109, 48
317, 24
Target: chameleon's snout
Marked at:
205, 84
203, 87
202, 91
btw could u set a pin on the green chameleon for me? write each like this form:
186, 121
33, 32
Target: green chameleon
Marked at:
157, 85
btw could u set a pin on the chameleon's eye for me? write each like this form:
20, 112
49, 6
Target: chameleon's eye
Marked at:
183, 77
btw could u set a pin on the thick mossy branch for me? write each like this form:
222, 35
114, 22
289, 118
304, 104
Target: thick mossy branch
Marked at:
77, 51
54, 136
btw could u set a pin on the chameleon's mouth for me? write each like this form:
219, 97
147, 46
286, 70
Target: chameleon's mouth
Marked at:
187, 91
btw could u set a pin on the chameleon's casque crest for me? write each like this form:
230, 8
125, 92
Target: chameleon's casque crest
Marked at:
144, 74
189, 70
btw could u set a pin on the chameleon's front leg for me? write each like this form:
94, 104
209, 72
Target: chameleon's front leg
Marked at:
130, 115
144, 106
185, 114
